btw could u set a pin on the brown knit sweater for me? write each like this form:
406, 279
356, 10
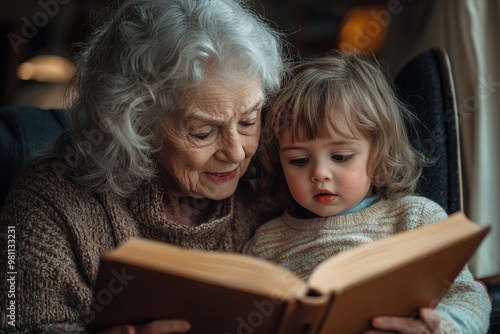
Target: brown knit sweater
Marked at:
61, 231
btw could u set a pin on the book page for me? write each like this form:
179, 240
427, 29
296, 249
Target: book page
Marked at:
239, 271
362, 263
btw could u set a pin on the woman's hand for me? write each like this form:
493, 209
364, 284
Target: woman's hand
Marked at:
154, 327
428, 323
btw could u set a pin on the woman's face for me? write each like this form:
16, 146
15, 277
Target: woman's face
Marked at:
206, 153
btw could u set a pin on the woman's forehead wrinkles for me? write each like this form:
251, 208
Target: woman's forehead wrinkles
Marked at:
216, 105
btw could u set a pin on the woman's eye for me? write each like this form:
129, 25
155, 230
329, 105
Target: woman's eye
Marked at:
341, 157
299, 161
202, 136
247, 124
205, 135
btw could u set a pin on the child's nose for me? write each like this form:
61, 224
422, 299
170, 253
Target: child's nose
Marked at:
320, 173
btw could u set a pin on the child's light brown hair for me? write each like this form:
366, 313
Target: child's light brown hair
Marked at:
353, 88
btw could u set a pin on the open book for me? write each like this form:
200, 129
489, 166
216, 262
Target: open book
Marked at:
144, 280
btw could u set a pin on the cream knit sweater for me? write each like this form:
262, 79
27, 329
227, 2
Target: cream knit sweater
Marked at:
301, 244
62, 230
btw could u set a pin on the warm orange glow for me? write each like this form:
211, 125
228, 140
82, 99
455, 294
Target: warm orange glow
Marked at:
46, 68
363, 30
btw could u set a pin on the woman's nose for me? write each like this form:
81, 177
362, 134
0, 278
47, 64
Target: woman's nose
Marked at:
232, 148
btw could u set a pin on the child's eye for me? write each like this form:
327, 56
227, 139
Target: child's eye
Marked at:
299, 161
341, 158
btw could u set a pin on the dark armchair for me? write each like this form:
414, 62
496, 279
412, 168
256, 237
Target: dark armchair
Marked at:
426, 84
24, 132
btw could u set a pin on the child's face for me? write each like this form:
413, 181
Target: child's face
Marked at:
326, 176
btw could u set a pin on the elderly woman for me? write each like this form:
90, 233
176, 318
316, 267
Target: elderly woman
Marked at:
165, 122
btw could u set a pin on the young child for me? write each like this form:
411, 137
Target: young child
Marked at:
336, 134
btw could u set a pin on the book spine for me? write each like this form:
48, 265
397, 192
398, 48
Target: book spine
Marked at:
304, 316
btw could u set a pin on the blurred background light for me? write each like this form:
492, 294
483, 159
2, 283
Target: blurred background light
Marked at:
46, 68
362, 31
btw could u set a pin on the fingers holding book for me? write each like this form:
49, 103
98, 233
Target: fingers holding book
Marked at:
428, 322
154, 327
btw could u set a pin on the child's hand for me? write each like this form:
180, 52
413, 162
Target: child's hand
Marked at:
428, 323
